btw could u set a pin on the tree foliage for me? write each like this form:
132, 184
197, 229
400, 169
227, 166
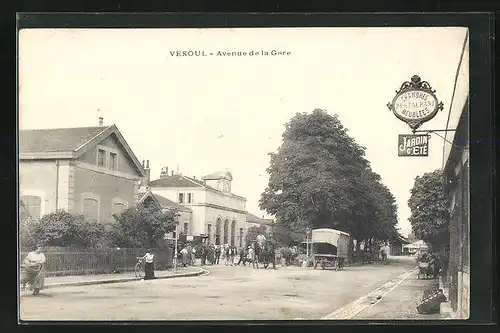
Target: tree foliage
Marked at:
253, 232
430, 217
64, 229
27, 228
319, 177
143, 226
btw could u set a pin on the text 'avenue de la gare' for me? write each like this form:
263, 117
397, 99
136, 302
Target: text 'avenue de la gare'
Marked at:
252, 53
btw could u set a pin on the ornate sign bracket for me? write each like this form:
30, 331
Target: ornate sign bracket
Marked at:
415, 102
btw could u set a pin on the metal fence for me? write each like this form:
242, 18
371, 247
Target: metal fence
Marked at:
70, 261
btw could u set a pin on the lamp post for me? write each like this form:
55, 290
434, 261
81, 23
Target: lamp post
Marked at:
175, 246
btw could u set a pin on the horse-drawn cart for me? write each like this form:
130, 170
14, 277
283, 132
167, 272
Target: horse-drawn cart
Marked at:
329, 248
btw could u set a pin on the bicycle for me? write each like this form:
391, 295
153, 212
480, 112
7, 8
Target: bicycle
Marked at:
139, 268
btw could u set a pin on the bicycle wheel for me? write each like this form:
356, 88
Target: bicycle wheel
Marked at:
139, 271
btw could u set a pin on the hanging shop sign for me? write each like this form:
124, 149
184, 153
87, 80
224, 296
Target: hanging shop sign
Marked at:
413, 145
415, 102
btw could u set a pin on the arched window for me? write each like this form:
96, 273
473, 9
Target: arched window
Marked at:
90, 206
119, 205
226, 231
241, 237
33, 205
218, 232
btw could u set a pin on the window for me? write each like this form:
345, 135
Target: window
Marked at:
33, 205
190, 197
186, 228
91, 209
181, 197
119, 207
112, 161
101, 156
241, 237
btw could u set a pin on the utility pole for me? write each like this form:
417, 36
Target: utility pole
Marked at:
175, 247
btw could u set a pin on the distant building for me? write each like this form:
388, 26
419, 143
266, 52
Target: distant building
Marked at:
396, 246
217, 214
255, 221
87, 170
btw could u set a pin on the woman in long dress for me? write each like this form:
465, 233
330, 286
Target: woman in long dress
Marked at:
184, 257
149, 267
32, 270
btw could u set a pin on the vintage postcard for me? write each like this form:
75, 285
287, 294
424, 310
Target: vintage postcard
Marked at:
244, 174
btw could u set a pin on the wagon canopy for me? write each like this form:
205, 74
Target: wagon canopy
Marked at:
330, 241
329, 236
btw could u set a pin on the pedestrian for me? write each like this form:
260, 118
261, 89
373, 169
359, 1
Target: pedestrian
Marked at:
211, 254
250, 255
233, 255
149, 268
241, 253
217, 254
193, 256
33, 270
184, 257
226, 254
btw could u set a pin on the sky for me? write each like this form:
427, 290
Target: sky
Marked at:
210, 113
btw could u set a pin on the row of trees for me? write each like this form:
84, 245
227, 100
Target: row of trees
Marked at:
141, 226
319, 177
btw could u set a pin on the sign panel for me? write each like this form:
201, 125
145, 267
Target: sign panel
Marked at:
415, 103
413, 145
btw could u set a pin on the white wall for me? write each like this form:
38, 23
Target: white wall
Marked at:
225, 200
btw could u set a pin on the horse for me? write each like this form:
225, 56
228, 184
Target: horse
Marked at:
264, 253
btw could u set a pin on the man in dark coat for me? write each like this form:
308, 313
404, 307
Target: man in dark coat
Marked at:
218, 251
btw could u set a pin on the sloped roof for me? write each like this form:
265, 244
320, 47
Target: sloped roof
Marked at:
68, 143
162, 201
166, 203
175, 181
219, 175
57, 139
255, 219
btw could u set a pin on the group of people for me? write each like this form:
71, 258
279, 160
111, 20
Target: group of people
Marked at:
212, 255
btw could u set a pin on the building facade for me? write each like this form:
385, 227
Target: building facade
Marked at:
217, 214
88, 170
456, 171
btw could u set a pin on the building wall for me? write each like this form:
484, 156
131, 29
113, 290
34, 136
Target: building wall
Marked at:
215, 214
106, 188
111, 144
172, 193
39, 178
225, 200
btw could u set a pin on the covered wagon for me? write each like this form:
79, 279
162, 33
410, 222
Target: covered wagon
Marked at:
329, 248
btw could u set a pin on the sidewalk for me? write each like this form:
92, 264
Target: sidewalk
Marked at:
82, 280
401, 302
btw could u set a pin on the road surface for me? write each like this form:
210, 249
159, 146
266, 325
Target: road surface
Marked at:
228, 293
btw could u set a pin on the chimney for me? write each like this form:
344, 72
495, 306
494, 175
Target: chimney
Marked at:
147, 177
100, 121
164, 172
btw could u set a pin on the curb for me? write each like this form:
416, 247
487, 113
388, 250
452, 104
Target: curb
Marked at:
350, 310
129, 279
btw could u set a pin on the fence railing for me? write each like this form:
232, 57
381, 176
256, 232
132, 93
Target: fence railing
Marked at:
70, 261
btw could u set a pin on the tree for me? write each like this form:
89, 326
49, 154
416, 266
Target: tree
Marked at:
65, 229
319, 177
430, 217
253, 232
143, 226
